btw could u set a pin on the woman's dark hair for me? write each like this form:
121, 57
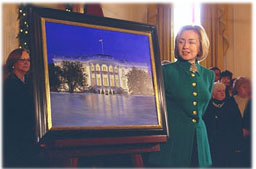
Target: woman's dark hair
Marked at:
13, 57
226, 73
215, 68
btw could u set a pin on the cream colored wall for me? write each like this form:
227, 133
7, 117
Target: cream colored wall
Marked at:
10, 28
239, 55
126, 11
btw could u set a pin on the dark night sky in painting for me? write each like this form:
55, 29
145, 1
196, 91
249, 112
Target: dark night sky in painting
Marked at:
71, 40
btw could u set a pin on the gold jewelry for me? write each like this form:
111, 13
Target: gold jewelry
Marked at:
193, 68
218, 105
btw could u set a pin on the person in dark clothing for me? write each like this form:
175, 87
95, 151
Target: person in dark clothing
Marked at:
247, 144
222, 119
226, 79
217, 73
19, 149
242, 97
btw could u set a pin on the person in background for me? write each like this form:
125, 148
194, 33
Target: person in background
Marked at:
222, 119
188, 88
242, 97
217, 73
226, 78
18, 115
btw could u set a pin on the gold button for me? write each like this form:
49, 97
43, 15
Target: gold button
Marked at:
193, 74
194, 103
194, 112
194, 84
194, 120
195, 93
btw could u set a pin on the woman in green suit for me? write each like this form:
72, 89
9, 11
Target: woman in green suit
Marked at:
188, 88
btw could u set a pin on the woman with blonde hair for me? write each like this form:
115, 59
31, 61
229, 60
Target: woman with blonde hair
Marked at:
188, 87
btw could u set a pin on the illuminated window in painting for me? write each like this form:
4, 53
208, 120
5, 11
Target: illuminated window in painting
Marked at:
105, 80
112, 81
110, 69
116, 70
92, 67
98, 79
104, 68
98, 67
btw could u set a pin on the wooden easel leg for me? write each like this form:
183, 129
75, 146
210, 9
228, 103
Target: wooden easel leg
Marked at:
137, 160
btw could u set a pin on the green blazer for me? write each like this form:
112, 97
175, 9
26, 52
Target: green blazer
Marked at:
187, 96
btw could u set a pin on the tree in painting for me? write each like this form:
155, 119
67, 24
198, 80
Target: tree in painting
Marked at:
55, 77
72, 74
139, 82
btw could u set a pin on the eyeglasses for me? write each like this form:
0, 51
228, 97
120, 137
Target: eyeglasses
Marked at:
24, 60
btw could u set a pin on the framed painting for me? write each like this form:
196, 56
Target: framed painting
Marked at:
95, 76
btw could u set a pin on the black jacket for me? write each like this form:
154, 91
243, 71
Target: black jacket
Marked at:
19, 123
224, 128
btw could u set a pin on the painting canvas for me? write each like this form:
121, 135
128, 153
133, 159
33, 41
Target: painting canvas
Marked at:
98, 76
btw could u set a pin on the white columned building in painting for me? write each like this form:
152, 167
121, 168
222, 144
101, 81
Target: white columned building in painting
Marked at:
103, 73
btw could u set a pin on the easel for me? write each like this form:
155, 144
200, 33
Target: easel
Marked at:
66, 153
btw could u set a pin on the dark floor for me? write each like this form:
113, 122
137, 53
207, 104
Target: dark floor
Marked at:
109, 161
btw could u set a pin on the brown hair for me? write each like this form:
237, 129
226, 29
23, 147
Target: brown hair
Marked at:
13, 57
203, 39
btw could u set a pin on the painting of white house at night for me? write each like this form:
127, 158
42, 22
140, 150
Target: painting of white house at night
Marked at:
103, 74
99, 77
